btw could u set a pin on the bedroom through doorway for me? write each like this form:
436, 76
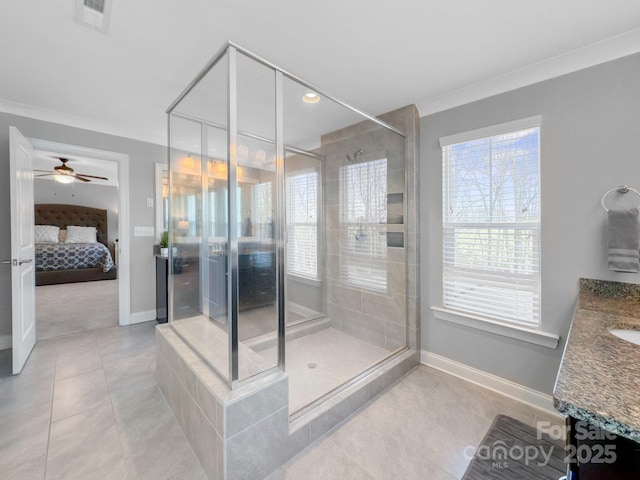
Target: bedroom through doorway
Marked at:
76, 229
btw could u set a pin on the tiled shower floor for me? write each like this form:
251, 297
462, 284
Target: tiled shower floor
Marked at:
316, 363
322, 361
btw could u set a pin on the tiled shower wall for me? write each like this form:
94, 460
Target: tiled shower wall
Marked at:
376, 316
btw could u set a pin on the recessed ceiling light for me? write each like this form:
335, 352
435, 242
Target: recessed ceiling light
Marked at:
311, 97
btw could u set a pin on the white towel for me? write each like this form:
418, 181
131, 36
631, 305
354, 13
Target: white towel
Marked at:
624, 240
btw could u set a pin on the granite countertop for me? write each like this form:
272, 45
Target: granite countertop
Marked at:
599, 378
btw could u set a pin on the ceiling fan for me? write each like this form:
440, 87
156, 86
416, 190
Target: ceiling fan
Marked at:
65, 174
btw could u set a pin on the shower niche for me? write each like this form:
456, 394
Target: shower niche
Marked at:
289, 226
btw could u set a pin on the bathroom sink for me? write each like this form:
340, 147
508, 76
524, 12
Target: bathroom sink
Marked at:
632, 336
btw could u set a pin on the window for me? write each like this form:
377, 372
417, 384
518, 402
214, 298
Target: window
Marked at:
491, 223
363, 218
302, 223
263, 222
254, 210
192, 219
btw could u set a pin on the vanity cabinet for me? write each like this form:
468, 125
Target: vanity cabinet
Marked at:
257, 279
256, 282
162, 294
601, 455
218, 288
597, 384
185, 287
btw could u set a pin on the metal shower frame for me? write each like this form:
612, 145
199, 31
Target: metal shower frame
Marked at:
231, 50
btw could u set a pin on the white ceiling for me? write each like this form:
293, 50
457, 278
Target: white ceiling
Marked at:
376, 55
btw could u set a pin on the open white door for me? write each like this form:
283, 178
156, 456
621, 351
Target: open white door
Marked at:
23, 283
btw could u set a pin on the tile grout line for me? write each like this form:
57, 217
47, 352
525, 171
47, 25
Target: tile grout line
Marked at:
353, 460
113, 410
53, 390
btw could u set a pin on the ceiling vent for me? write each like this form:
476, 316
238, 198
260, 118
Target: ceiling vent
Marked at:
94, 14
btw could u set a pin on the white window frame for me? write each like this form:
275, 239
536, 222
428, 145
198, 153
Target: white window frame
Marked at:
529, 333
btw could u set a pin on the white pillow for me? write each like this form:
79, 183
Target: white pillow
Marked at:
77, 234
45, 234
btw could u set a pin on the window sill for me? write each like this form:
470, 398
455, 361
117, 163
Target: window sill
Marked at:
530, 335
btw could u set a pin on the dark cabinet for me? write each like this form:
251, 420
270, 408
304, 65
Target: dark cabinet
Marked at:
186, 293
260, 285
256, 279
218, 288
186, 287
256, 284
162, 294
600, 455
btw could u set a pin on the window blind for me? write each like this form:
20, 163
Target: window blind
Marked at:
363, 218
491, 227
264, 210
302, 224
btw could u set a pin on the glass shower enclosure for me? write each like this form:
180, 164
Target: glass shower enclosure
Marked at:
286, 228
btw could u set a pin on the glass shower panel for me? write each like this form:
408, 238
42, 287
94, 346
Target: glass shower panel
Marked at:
216, 223
339, 199
186, 219
199, 219
303, 206
256, 216
361, 273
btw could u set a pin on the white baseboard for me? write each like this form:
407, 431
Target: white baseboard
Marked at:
140, 317
5, 342
492, 382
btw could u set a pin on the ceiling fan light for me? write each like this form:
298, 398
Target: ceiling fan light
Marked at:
63, 178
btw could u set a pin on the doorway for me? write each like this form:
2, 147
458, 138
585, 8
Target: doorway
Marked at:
111, 296
76, 276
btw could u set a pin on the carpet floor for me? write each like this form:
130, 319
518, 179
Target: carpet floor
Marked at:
75, 307
512, 450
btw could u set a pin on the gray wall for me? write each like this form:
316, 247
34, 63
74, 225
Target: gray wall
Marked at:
142, 157
590, 143
85, 194
378, 317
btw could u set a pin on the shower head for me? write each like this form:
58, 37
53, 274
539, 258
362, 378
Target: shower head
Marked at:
352, 157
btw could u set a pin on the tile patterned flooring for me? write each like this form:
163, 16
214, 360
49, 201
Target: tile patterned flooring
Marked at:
87, 407
418, 429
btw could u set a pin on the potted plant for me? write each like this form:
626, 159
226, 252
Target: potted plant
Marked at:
164, 244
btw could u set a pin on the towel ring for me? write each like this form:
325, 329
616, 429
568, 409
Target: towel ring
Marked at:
621, 189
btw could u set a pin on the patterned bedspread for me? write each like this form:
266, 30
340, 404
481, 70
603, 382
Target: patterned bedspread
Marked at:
70, 256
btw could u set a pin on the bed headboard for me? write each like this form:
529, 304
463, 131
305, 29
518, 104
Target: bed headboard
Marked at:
64, 215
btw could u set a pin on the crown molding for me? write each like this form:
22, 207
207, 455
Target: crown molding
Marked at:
45, 115
600, 52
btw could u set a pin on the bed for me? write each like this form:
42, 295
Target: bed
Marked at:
74, 262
